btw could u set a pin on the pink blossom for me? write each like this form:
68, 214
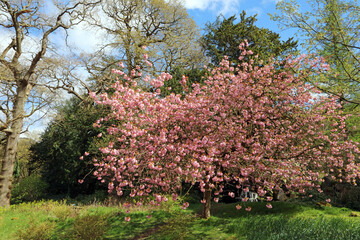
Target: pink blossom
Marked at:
258, 126
238, 207
269, 205
248, 209
185, 206
127, 219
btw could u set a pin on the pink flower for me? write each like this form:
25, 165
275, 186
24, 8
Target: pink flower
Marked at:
86, 153
80, 181
185, 206
231, 194
81, 158
99, 135
216, 199
203, 201
269, 205
149, 216
248, 209
127, 219
328, 200
238, 207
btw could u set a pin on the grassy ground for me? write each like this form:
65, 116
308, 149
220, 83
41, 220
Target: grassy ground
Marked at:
53, 220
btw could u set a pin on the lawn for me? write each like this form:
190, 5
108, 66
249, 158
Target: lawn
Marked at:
54, 220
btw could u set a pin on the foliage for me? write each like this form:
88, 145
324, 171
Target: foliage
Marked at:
29, 189
258, 126
174, 85
61, 145
22, 167
223, 37
333, 34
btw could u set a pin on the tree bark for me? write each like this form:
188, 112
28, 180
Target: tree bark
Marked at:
207, 204
11, 145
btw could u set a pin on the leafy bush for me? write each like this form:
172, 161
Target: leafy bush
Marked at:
89, 227
62, 211
29, 189
36, 231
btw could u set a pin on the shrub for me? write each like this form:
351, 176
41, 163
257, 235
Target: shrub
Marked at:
63, 211
29, 189
36, 231
89, 227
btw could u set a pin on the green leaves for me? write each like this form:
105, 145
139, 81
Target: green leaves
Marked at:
224, 36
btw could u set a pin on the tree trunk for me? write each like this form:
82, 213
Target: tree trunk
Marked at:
207, 204
8, 161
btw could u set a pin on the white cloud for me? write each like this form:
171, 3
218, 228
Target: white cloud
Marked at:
224, 7
84, 38
253, 11
269, 1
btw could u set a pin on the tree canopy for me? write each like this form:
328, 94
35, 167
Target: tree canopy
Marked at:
223, 37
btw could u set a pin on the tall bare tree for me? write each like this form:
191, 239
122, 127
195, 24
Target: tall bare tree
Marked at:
164, 27
27, 22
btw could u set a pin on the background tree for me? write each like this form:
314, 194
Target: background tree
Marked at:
57, 153
330, 29
25, 20
164, 27
223, 37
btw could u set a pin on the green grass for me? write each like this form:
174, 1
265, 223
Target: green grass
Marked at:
53, 220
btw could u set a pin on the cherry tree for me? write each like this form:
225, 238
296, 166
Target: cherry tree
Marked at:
262, 127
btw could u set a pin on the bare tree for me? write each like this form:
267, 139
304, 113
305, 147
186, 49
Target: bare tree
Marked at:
22, 69
164, 27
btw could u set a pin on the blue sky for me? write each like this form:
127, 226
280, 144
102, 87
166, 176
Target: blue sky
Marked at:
203, 11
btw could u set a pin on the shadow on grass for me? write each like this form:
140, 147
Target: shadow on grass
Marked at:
257, 208
139, 223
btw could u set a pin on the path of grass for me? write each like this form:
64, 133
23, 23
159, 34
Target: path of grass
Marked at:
51, 220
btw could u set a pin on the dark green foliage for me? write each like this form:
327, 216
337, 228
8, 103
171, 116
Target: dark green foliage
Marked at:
224, 36
173, 85
64, 141
29, 189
